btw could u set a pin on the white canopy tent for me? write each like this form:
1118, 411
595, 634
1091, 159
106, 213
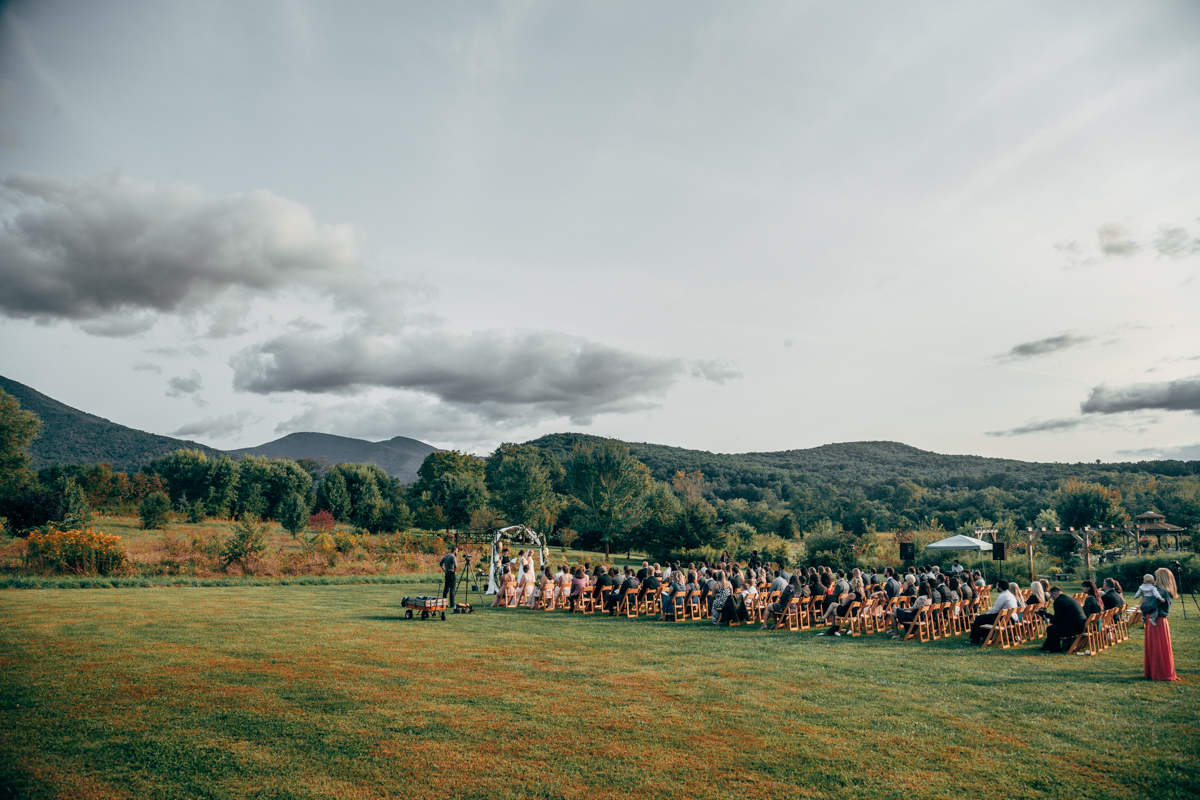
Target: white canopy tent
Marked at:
961, 542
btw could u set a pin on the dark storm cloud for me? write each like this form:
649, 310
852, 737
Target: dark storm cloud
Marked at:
496, 373
221, 427
1046, 426
106, 247
1040, 347
1177, 395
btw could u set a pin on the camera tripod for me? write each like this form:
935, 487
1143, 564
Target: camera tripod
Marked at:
476, 581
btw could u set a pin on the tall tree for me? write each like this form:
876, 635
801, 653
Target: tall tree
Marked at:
520, 478
18, 428
609, 487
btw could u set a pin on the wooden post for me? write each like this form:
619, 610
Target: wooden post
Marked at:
1029, 551
1087, 551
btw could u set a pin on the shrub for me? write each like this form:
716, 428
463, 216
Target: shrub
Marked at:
322, 521
154, 510
293, 514
248, 540
567, 537
86, 552
196, 512
709, 555
1129, 570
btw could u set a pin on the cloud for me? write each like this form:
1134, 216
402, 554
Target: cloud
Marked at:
1115, 241
716, 370
94, 247
119, 325
194, 350
1175, 242
1179, 452
499, 375
182, 386
10, 138
222, 427
404, 414
1046, 426
1177, 395
1040, 347
146, 366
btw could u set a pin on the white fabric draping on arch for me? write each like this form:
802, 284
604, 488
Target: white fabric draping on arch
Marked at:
508, 534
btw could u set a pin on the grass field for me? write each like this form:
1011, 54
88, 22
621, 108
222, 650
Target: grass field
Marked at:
326, 691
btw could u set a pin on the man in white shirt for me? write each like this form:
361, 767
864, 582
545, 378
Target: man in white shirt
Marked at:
957, 568
1004, 600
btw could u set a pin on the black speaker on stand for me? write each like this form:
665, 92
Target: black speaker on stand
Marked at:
908, 551
998, 553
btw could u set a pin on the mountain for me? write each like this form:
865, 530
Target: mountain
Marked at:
859, 465
399, 457
70, 436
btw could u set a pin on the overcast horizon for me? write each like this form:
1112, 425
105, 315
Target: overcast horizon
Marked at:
971, 228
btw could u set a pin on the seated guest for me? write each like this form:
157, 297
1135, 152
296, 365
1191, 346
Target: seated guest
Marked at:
579, 585
1093, 603
606, 584
1066, 622
777, 584
891, 586
1112, 597
905, 615
1036, 594
1015, 589
720, 594
630, 584
965, 592
1004, 601
673, 589
910, 586
506, 579
779, 608
856, 595
544, 587
979, 581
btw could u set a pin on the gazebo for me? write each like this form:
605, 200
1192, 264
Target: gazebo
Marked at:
1151, 523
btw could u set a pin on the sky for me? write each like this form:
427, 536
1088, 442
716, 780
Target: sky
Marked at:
969, 227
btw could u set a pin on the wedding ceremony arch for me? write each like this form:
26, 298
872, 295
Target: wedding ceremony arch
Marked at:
514, 533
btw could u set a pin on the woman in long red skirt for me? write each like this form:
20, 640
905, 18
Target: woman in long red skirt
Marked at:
1159, 658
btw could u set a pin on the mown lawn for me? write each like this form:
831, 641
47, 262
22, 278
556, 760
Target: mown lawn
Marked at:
326, 691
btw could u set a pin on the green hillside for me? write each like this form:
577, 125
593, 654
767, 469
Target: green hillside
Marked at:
861, 465
70, 436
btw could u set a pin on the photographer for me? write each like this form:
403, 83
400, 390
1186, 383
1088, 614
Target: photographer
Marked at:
449, 563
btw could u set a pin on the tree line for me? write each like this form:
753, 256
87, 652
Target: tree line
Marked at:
589, 492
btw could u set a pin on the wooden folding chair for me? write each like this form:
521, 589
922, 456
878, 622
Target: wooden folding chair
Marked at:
864, 621
1121, 624
919, 626
1090, 637
693, 604
845, 620
790, 617
631, 605
679, 605
510, 596
998, 630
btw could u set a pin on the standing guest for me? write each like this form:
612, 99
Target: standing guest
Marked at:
1066, 622
1004, 601
449, 564
755, 560
1159, 658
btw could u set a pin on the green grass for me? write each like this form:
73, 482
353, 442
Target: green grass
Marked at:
326, 691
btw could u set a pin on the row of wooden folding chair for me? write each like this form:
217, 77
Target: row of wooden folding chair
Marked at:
1100, 632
